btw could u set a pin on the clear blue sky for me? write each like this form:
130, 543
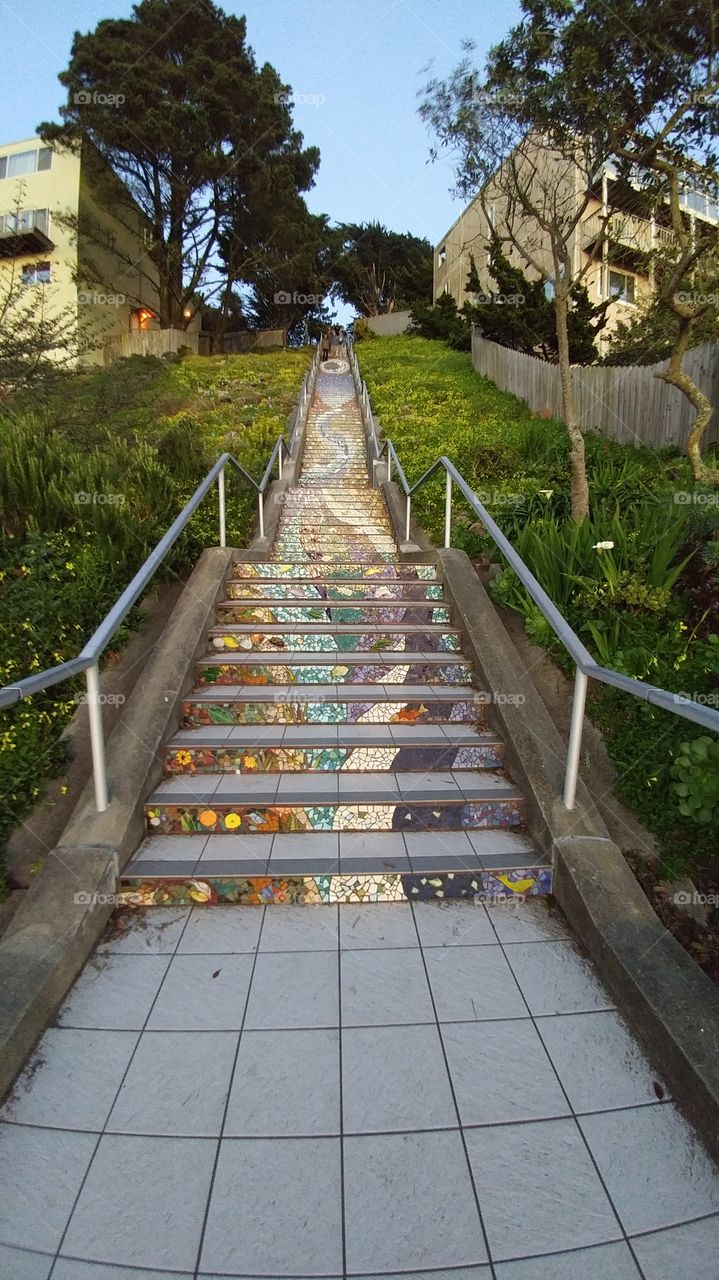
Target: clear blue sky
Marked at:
364, 58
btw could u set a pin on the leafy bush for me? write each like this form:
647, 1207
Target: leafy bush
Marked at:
696, 774
90, 479
647, 606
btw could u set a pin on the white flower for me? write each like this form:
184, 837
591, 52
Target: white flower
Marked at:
603, 546
546, 493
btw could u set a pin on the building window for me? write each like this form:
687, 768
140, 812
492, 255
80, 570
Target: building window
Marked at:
442, 255
621, 286
25, 220
142, 319
37, 273
22, 162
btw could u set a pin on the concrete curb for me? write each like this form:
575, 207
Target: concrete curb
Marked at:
67, 907
669, 1001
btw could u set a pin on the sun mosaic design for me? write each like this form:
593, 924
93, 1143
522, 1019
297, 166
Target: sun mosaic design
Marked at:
492, 887
172, 819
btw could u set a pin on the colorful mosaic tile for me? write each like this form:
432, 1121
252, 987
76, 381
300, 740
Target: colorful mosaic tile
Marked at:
189, 761
370, 641
260, 891
273, 672
216, 818
198, 715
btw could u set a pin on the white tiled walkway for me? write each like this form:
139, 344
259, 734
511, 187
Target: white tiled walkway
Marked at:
301, 1091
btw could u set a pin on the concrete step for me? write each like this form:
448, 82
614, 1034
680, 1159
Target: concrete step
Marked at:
315, 705
303, 802
503, 853
351, 748
297, 667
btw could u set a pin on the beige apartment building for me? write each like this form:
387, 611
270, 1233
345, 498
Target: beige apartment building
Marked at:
68, 229
611, 240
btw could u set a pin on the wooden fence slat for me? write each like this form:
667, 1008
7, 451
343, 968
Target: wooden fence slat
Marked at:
625, 402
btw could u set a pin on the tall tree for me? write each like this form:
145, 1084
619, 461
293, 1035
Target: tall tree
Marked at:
379, 271
534, 187
640, 79
518, 312
174, 102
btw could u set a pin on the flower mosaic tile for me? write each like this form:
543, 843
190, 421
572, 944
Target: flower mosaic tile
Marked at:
353, 888
174, 819
205, 714
272, 671
369, 641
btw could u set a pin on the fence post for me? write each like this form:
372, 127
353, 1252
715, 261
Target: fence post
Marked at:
575, 739
389, 466
221, 497
448, 512
97, 741
279, 460
261, 506
408, 519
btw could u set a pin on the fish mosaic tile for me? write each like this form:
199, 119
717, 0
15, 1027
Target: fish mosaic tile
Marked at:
258, 891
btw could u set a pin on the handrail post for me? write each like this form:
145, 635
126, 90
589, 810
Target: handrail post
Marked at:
221, 498
448, 512
97, 741
279, 460
261, 506
389, 466
575, 738
408, 520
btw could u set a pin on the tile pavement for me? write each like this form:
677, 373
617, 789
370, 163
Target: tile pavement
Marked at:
414, 1090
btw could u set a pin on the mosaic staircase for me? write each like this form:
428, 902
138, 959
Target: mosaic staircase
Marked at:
334, 746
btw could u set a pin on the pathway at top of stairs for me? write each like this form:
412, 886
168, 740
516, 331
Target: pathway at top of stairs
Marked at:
334, 747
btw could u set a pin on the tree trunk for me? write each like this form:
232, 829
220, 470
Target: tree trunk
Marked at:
580, 486
676, 375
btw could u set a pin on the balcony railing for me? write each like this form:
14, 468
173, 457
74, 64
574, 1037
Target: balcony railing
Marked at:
624, 231
24, 233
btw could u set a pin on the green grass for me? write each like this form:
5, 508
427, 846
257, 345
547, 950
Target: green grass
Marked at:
135, 440
636, 608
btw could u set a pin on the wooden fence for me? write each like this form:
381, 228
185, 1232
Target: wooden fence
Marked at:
627, 403
156, 342
148, 342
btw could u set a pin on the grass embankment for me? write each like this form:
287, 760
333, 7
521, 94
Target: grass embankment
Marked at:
641, 607
93, 470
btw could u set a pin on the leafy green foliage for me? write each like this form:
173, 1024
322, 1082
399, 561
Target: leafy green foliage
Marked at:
696, 779
647, 606
444, 320
89, 482
377, 270
519, 313
201, 137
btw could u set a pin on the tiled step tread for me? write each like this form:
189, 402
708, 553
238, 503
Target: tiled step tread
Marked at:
309, 788
308, 853
328, 692
360, 735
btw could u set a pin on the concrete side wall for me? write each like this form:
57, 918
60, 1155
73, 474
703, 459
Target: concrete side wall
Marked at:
389, 325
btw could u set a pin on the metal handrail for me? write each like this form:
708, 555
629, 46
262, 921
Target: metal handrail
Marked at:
89, 658
586, 667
